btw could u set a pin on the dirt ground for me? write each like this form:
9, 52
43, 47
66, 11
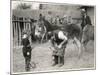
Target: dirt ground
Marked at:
42, 57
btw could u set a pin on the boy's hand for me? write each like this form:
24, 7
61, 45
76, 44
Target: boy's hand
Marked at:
28, 53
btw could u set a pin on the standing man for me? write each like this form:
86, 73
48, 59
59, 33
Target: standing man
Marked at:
57, 20
49, 17
65, 19
26, 51
85, 19
40, 17
58, 42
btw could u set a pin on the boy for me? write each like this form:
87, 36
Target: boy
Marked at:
26, 51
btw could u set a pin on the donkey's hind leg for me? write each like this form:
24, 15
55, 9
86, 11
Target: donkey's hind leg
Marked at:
42, 38
78, 43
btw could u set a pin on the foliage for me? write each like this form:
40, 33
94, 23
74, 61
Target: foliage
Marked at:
24, 6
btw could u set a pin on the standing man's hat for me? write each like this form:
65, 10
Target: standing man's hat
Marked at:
83, 10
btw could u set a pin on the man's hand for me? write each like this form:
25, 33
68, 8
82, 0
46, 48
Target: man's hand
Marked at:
59, 46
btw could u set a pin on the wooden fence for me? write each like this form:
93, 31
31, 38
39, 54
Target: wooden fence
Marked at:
20, 24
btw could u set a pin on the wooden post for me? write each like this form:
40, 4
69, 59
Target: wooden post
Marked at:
24, 23
13, 25
19, 29
30, 26
16, 32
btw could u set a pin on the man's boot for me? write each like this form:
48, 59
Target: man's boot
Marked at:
55, 60
61, 61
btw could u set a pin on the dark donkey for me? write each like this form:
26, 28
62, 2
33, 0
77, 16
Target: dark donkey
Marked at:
72, 31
